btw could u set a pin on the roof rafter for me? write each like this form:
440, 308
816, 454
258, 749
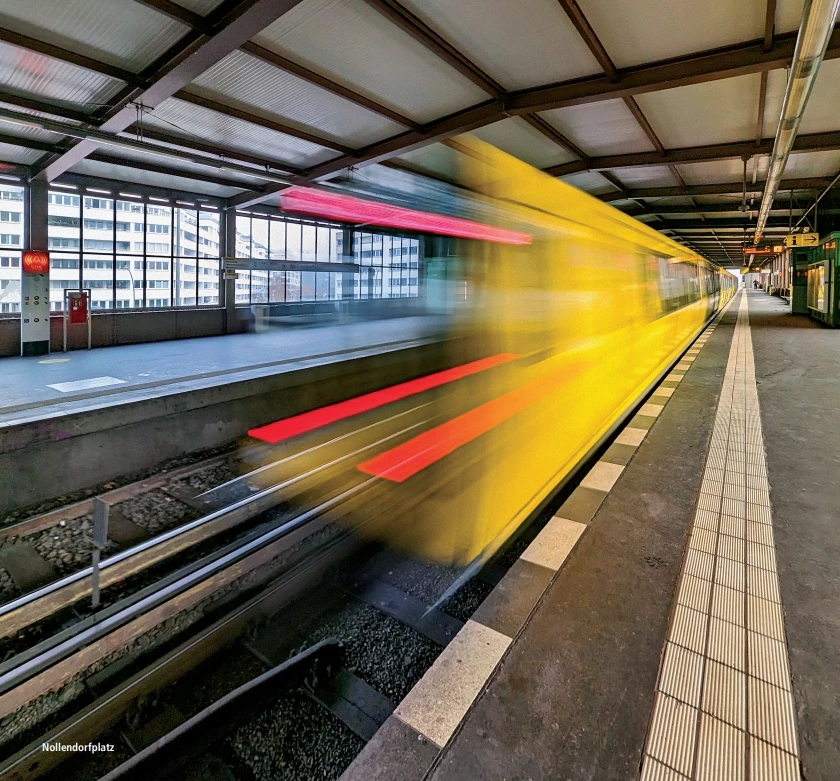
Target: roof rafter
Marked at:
197, 53
724, 188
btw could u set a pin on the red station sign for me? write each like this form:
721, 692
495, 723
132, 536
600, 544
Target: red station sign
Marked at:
35, 262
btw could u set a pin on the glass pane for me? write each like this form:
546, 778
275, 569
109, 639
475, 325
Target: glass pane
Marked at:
98, 224
308, 253
243, 236
259, 237
129, 296
259, 287
184, 280
322, 253
208, 238
158, 272
293, 240
276, 284
10, 282
335, 286
307, 286
158, 230
129, 227
243, 287
64, 275
322, 286
208, 280
64, 219
278, 239
292, 283
186, 232
98, 275
335, 245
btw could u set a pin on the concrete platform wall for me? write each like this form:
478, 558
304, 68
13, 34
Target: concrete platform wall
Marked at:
129, 327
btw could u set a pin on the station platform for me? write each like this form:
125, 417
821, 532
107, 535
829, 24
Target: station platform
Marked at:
86, 416
679, 617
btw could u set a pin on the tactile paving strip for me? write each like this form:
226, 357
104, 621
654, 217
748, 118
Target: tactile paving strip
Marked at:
724, 709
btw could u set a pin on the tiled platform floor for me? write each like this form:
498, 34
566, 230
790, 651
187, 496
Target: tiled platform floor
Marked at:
724, 709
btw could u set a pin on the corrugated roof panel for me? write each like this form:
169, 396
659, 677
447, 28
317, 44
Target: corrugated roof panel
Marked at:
359, 48
516, 137
650, 30
128, 174
822, 113
437, 158
646, 176
212, 127
710, 113
263, 89
604, 128
522, 44
119, 32
10, 153
808, 164
37, 76
589, 181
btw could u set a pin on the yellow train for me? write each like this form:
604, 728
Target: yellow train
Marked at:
575, 309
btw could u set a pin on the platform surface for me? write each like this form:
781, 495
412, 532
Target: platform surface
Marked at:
113, 373
672, 642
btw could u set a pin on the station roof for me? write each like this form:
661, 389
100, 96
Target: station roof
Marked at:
667, 110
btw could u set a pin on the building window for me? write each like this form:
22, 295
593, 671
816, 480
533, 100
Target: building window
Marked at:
10, 216
12, 239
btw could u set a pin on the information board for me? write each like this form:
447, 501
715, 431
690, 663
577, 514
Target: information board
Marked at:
35, 303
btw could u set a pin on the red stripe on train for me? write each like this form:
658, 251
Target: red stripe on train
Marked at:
324, 416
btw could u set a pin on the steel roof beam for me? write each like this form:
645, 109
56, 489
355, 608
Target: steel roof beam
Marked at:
224, 152
813, 142
723, 63
254, 119
717, 223
724, 188
247, 18
165, 170
700, 208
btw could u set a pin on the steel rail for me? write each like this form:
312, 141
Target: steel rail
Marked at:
43, 602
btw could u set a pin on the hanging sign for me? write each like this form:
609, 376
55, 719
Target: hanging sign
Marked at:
802, 240
35, 303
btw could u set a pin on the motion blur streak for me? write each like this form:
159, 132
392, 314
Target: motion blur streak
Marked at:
597, 304
309, 421
346, 208
408, 459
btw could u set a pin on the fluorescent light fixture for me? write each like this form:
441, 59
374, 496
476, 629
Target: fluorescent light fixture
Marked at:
94, 190
159, 200
130, 195
64, 186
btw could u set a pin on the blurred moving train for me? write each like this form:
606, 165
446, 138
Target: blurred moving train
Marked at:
566, 310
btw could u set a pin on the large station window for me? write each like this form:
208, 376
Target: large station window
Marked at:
11, 242
133, 254
390, 264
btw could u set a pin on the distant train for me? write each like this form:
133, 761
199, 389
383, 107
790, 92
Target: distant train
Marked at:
568, 312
